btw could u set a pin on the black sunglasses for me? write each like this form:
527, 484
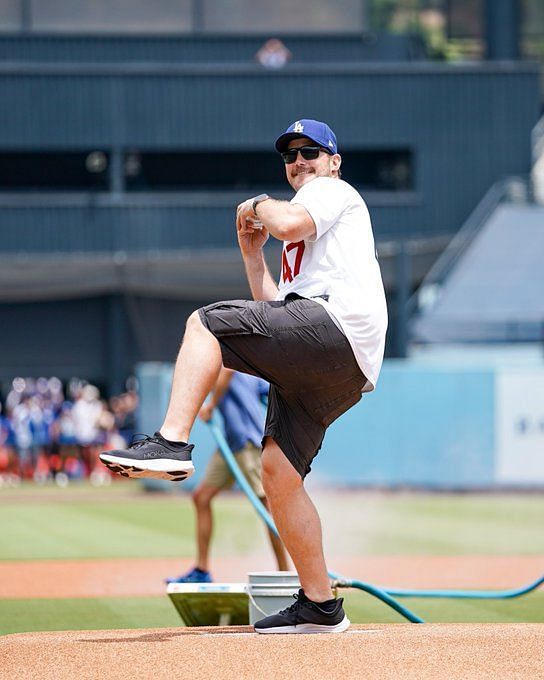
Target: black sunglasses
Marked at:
309, 153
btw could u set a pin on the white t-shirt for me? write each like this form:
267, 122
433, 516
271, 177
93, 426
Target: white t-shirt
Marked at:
340, 262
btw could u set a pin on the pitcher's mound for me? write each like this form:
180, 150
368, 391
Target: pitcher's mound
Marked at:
370, 651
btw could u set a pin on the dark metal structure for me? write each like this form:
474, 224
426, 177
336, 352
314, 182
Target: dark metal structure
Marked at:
464, 127
502, 29
207, 48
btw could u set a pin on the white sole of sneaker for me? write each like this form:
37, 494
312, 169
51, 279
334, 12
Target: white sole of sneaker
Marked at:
157, 468
304, 628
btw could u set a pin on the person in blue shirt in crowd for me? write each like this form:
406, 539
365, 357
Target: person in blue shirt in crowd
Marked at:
7, 443
238, 397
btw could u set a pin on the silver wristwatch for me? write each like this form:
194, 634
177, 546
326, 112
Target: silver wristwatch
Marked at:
258, 199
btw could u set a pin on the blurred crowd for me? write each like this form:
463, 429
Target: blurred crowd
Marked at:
48, 430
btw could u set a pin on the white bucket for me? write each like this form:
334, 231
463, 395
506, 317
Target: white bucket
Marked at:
270, 591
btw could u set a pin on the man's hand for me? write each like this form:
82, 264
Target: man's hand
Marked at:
252, 234
205, 412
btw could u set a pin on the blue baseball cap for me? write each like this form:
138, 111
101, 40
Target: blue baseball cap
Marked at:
318, 132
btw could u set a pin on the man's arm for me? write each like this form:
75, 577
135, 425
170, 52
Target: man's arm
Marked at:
251, 239
218, 392
221, 386
263, 286
284, 221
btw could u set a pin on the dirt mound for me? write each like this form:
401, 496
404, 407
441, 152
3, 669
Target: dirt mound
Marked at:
410, 651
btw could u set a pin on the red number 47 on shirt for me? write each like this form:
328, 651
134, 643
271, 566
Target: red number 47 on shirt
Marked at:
287, 274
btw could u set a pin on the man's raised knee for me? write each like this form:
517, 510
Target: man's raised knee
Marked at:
194, 325
194, 320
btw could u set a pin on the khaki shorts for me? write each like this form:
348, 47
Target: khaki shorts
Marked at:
219, 475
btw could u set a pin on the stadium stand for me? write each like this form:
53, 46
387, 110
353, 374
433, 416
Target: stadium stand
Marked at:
489, 289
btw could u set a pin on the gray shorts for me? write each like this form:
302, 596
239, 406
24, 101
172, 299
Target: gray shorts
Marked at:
295, 346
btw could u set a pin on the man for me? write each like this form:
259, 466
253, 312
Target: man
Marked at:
237, 396
317, 338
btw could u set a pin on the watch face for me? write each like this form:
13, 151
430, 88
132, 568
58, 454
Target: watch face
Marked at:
258, 199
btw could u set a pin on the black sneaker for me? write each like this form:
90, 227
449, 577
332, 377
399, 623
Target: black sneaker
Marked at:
305, 616
151, 457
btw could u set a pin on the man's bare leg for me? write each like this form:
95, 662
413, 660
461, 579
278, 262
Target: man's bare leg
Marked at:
197, 367
202, 498
278, 548
297, 521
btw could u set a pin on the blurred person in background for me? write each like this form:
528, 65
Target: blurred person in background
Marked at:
24, 441
239, 398
42, 417
86, 413
7, 442
109, 436
273, 54
123, 407
117, 411
65, 447
64, 430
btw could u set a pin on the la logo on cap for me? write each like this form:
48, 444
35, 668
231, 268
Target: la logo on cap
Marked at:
298, 127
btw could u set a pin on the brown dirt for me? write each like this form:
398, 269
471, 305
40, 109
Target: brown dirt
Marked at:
124, 577
408, 651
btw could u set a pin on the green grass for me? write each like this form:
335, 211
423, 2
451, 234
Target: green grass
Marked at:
107, 527
433, 524
79, 522
362, 608
18, 616
85, 523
